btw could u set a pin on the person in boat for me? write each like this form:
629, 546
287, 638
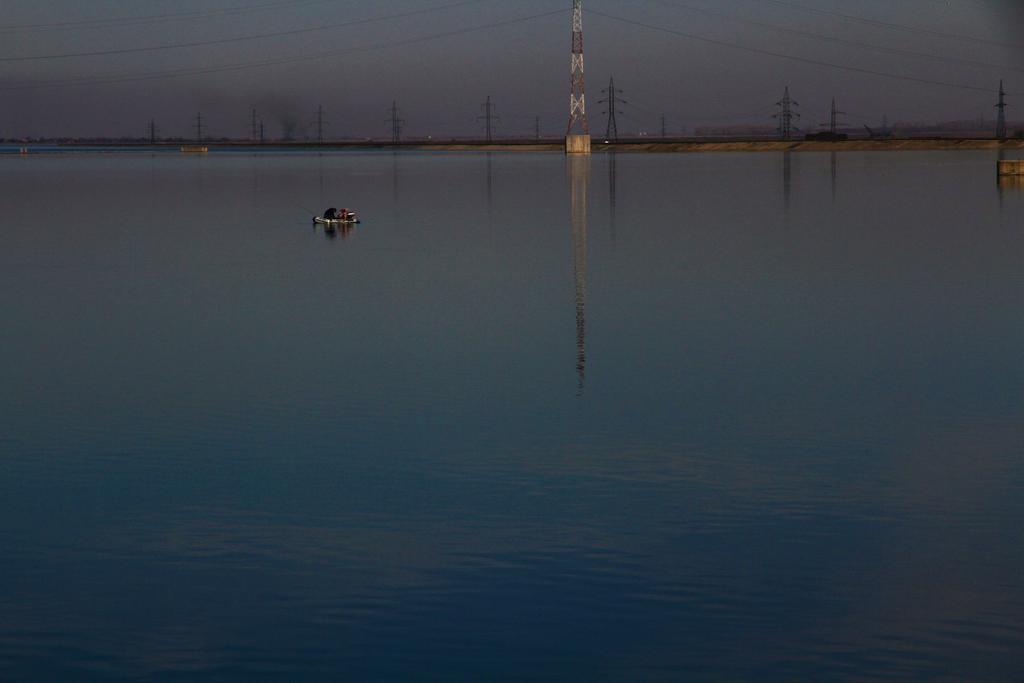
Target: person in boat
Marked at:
345, 215
331, 214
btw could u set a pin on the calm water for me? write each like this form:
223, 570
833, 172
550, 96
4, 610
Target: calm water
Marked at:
645, 417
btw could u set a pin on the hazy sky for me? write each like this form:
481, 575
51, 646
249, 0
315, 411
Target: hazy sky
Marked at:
440, 65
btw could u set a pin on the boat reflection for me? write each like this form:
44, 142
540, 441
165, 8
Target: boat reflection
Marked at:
332, 232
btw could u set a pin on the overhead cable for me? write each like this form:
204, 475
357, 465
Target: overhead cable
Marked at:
794, 58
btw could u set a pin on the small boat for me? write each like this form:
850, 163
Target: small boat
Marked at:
352, 220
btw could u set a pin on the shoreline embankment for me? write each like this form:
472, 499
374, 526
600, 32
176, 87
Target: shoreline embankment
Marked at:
678, 146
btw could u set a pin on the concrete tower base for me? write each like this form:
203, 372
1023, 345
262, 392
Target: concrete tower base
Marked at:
577, 144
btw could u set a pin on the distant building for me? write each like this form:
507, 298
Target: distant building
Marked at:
827, 136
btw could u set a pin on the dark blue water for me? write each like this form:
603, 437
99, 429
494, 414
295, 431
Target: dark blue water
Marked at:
645, 417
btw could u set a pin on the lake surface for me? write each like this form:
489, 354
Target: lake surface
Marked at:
637, 417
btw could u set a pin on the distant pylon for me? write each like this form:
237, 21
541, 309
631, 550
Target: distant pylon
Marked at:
1001, 120
199, 127
833, 120
612, 130
578, 124
263, 136
254, 131
488, 118
320, 125
152, 131
786, 115
396, 124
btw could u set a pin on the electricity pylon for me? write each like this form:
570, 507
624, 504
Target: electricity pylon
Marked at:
1001, 120
786, 115
489, 118
833, 121
396, 123
320, 124
578, 124
611, 99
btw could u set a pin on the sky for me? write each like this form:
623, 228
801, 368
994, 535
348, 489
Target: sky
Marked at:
697, 62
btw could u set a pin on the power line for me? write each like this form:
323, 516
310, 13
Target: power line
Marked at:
177, 73
116, 22
892, 25
240, 39
678, 121
780, 55
841, 41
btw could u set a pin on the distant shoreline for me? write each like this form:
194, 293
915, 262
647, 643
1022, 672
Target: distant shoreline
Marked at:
677, 146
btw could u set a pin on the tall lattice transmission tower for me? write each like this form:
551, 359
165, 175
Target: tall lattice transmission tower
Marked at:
786, 115
1001, 120
611, 99
577, 136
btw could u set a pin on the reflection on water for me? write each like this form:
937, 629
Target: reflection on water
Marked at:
613, 183
1011, 182
1011, 186
334, 231
394, 177
323, 201
834, 165
489, 179
787, 178
579, 175
229, 453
